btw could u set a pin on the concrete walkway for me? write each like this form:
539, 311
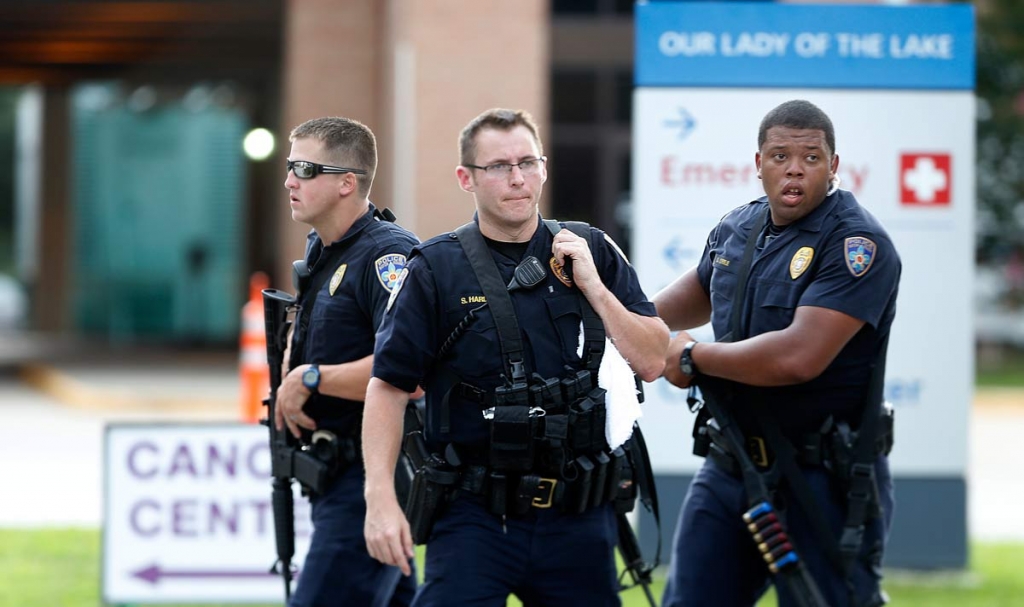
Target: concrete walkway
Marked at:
995, 479
55, 413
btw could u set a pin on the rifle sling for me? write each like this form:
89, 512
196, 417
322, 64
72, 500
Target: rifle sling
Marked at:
593, 340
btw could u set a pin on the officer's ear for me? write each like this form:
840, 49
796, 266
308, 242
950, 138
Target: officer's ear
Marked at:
348, 183
465, 177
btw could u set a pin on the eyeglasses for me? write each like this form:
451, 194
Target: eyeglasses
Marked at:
528, 167
305, 169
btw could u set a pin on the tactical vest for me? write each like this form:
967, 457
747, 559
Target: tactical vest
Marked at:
535, 422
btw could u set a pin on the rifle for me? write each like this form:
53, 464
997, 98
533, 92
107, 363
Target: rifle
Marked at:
276, 305
761, 519
638, 569
288, 459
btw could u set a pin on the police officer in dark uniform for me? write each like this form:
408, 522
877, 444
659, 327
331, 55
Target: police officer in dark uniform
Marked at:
353, 259
812, 327
515, 524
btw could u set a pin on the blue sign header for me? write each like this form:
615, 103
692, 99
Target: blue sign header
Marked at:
725, 44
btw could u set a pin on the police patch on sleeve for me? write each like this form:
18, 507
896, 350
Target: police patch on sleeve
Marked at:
860, 254
398, 287
388, 268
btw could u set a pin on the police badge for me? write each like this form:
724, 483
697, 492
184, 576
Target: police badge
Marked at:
800, 262
336, 279
560, 272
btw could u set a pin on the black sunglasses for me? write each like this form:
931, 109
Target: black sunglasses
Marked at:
305, 169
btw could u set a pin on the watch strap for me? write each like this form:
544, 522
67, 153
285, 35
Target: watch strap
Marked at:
686, 364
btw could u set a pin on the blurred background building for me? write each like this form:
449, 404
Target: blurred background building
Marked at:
137, 195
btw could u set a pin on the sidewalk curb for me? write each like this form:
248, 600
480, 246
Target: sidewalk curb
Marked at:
80, 395
999, 399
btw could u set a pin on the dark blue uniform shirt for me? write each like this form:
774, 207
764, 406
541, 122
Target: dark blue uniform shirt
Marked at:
350, 304
838, 257
439, 290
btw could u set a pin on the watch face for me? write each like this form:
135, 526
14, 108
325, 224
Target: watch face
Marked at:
686, 361
311, 378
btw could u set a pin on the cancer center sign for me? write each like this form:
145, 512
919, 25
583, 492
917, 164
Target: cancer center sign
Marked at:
898, 85
187, 515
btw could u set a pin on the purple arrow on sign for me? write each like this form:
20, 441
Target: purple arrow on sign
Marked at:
154, 573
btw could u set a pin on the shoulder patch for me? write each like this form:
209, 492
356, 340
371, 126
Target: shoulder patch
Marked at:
800, 262
860, 254
336, 279
398, 287
388, 268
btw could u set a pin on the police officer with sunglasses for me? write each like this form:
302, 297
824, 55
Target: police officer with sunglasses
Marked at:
352, 262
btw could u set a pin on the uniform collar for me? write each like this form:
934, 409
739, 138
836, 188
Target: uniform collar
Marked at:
540, 225
810, 223
358, 226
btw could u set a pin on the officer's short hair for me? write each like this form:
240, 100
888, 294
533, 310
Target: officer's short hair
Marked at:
495, 118
798, 114
349, 143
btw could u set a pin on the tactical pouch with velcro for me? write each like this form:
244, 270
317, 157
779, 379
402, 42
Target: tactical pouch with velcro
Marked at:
512, 444
701, 437
586, 422
887, 429
578, 490
599, 488
621, 481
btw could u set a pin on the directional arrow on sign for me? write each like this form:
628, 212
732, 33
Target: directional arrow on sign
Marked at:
154, 573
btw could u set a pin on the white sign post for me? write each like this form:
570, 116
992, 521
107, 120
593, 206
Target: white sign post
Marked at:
187, 515
897, 83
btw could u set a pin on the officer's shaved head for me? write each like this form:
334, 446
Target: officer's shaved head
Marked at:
500, 119
798, 114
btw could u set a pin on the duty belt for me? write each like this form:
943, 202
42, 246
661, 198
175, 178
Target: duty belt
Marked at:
596, 479
512, 493
812, 449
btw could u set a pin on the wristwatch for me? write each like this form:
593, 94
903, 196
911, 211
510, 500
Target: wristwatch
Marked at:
311, 378
686, 364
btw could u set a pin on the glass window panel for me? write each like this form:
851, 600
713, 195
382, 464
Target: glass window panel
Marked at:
574, 175
573, 97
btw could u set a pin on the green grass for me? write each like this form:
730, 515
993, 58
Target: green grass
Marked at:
1003, 367
43, 568
994, 580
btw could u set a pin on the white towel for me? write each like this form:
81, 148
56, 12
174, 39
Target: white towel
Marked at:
621, 404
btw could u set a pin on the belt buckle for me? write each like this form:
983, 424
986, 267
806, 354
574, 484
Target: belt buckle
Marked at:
547, 485
757, 450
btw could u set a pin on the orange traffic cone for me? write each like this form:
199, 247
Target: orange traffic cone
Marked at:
252, 360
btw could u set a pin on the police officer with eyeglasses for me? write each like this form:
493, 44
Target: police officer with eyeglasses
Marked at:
509, 395
351, 266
